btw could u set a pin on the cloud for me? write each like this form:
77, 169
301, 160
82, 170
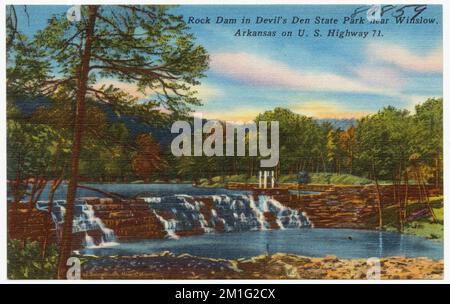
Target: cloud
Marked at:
326, 109
389, 78
405, 58
238, 115
259, 71
313, 108
411, 101
129, 88
205, 92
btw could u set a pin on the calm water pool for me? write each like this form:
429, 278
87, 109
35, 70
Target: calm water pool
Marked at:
130, 190
343, 243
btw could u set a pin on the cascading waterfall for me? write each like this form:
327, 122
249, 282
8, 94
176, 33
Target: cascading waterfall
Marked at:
286, 217
152, 199
88, 241
184, 213
169, 226
84, 221
259, 215
89, 220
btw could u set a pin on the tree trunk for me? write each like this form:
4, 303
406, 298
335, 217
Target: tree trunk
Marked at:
36, 191
323, 162
427, 198
437, 172
48, 220
16, 189
32, 193
66, 238
405, 205
419, 188
394, 184
398, 199
380, 212
351, 162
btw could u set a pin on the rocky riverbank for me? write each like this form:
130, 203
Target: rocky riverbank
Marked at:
276, 266
347, 206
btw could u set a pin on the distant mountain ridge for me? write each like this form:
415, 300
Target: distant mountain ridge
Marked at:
341, 123
27, 106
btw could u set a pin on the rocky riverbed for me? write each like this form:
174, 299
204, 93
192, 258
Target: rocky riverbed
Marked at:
277, 266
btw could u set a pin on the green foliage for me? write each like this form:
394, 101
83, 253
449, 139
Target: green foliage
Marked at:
220, 181
428, 135
429, 131
328, 178
378, 147
288, 178
29, 148
27, 263
316, 178
424, 227
300, 138
34, 152
108, 159
151, 49
384, 142
145, 46
339, 179
139, 46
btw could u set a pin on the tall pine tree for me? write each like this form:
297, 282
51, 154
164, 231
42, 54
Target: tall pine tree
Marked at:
147, 47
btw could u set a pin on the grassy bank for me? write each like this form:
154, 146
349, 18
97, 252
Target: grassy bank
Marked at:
328, 178
315, 178
424, 227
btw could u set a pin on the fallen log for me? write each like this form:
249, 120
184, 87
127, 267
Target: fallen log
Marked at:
107, 194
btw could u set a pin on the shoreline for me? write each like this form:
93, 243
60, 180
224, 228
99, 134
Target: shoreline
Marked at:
167, 265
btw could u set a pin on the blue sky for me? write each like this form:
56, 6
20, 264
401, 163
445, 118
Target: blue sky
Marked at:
323, 77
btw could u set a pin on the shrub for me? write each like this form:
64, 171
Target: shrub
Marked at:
25, 262
288, 178
338, 179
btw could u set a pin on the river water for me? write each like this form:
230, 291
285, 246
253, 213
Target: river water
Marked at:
312, 242
248, 235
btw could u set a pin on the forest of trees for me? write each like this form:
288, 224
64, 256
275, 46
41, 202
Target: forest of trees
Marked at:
384, 146
142, 45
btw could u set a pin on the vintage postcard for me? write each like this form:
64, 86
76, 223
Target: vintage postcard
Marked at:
225, 142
